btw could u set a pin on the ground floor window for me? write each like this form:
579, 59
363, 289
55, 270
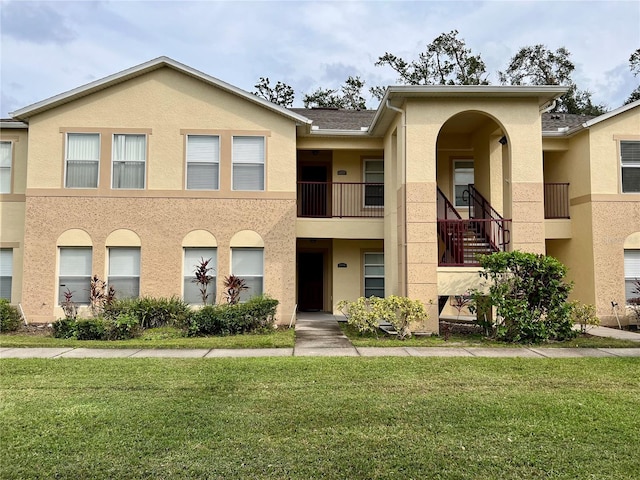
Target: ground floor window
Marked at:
124, 271
248, 264
192, 260
631, 273
75, 274
374, 274
6, 272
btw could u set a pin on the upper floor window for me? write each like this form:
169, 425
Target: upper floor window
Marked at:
5, 166
203, 162
630, 163
129, 159
248, 163
374, 173
6, 272
463, 176
82, 160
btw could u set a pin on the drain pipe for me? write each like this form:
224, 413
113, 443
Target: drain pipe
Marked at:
404, 183
550, 107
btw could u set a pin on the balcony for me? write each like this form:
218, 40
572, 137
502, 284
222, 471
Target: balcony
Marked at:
340, 200
556, 200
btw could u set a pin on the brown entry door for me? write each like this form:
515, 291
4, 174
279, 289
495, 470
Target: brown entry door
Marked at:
311, 281
314, 190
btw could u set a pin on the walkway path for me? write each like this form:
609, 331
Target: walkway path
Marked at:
318, 334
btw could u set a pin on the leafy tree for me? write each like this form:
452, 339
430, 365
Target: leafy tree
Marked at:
445, 61
537, 65
281, 94
634, 66
530, 295
349, 96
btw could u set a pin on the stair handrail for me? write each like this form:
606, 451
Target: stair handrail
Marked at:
445, 207
499, 239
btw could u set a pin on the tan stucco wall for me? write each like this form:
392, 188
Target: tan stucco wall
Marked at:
12, 206
161, 225
167, 105
370, 228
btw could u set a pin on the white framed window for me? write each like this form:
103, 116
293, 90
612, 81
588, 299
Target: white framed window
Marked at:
75, 274
6, 272
203, 162
631, 273
82, 160
129, 161
124, 271
248, 163
373, 173
630, 165
192, 259
374, 274
248, 264
463, 175
6, 160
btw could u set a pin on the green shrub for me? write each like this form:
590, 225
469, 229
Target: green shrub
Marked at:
91, 329
64, 328
122, 328
9, 316
365, 314
585, 315
151, 312
530, 295
255, 315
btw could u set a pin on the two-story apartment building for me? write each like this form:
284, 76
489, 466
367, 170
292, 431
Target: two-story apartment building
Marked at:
137, 176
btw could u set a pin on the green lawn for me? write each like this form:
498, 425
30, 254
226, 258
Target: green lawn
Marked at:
333, 418
472, 340
158, 338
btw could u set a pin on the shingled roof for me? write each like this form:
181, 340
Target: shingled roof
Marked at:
339, 119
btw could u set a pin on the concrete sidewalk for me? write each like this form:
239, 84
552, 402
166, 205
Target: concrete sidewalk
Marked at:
319, 335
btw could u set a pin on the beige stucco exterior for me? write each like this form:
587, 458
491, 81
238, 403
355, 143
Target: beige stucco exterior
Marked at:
418, 134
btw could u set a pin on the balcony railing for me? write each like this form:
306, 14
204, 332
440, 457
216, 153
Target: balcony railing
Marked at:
340, 199
462, 240
556, 200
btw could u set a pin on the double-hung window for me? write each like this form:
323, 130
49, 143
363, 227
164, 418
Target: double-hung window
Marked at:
193, 257
248, 264
248, 163
630, 163
203, 162
75, 274
124, 271
463, 176
374, 174
6, 272
5, 166
82, 160
374, 274
631, 274
129, 160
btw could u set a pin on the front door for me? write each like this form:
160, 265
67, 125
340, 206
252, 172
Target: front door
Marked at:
311, 281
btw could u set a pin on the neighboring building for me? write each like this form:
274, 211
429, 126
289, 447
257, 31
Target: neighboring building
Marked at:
137, 176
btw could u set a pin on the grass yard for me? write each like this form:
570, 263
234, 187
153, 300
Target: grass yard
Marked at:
165, 337
332, 418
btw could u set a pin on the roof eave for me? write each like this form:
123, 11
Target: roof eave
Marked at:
84, 90
15, 125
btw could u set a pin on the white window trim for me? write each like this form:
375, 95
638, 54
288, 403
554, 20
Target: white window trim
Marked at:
364, 179
631, 277
10, 167
189, 270
146, 151
364, 270
217, 161
249, 276
453, 180
108, 265
10, 268
264, 162
72, 276
66, 158
623, 166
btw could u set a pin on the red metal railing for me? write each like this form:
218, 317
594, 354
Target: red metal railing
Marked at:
446, 210
340, 199
556, 200
462, 240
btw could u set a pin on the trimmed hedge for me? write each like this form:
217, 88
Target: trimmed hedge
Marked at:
255, 315
99, 328
9, 316
151, 312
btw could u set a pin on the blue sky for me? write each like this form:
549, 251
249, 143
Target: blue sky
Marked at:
53, 46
